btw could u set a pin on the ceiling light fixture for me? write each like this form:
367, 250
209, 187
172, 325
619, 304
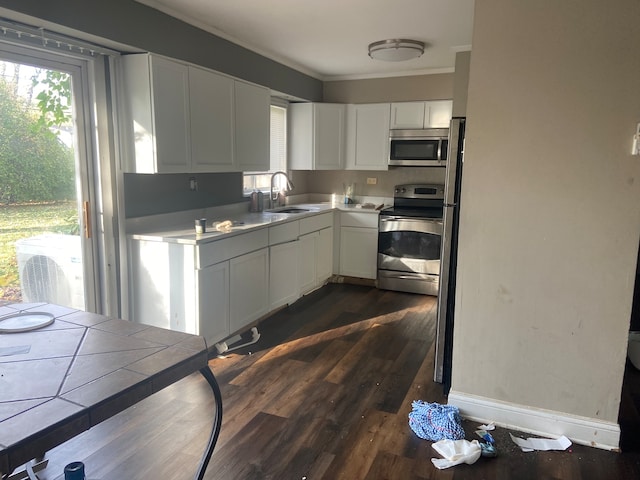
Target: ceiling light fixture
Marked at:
396, 50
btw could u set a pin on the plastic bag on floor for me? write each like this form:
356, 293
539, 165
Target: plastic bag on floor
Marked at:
456, 452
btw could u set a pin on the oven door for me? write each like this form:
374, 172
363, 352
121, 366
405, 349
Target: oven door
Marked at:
409, 254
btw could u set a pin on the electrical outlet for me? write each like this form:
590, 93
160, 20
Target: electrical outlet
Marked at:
372, 181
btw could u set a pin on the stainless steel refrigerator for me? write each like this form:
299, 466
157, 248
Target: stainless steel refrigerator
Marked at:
449, 253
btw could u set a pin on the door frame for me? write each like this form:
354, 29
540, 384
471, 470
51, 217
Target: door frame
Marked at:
95, 165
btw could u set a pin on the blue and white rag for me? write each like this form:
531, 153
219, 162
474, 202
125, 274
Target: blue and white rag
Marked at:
434, 422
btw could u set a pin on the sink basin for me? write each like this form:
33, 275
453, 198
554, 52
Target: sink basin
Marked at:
287, 210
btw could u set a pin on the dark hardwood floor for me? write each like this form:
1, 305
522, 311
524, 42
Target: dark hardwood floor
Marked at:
324, 394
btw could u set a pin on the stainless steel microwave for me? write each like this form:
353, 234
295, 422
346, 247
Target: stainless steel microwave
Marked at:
419, 148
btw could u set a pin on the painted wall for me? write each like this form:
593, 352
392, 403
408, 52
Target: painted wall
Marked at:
461, 84
134, 24
165, 193
326, 181
550, 216
394, 89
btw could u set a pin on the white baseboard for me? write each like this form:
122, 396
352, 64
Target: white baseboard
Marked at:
548, 423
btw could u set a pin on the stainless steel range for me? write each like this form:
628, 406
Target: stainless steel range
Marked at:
410, 238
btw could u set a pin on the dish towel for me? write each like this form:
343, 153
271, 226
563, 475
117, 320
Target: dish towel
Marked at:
434, 422
456, 452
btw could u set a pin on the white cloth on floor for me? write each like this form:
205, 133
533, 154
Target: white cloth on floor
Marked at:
456, 452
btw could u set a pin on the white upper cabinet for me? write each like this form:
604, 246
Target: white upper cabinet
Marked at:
211, 106
156, 94
182, 118
432, 114
252, 127
368, 136
316, 136
407, 115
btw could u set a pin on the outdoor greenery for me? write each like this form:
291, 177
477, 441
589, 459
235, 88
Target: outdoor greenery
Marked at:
37, 171
54, 102
34, 164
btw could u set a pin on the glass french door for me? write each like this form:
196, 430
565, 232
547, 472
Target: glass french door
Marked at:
47, 197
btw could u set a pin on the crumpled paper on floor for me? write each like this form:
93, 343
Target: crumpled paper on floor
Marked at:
531, 444
456, 452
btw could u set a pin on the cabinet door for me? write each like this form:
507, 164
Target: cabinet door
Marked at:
252, 127
329, 136
307, 271
211, 107
368, 136
249, 292
170, 97
324, 255
438, 114
358, 252
407, 115
213, 302
283, 274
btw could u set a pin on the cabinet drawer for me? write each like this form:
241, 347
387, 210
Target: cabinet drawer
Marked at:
227, 248
283, 233
315, 223
354, 219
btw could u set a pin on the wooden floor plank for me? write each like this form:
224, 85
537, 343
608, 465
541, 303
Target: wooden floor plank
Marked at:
324, 394
387, 466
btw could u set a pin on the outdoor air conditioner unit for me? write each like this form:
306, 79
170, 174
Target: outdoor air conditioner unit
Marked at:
50, 269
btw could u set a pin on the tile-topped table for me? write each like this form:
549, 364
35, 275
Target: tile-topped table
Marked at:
62, 379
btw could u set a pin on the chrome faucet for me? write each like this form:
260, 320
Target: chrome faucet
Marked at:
289, 187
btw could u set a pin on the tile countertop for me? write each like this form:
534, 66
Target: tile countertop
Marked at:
83, 368
184, 232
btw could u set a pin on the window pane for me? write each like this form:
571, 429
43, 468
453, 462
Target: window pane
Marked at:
278, 154
278, 138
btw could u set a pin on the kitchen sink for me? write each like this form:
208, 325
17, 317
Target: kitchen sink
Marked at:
287, 210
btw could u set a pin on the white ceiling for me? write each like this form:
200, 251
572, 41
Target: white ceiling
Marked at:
328, 39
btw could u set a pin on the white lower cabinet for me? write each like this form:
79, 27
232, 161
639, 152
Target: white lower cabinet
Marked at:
214, 289
212, 298
220, 288
248, 288
358, 251
316, 259
283, 274
324, 255
308, 262
316, 251
358, 244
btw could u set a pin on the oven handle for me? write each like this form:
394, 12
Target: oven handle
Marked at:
410, 224
426, 277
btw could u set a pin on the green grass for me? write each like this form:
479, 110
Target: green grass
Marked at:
27, 220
